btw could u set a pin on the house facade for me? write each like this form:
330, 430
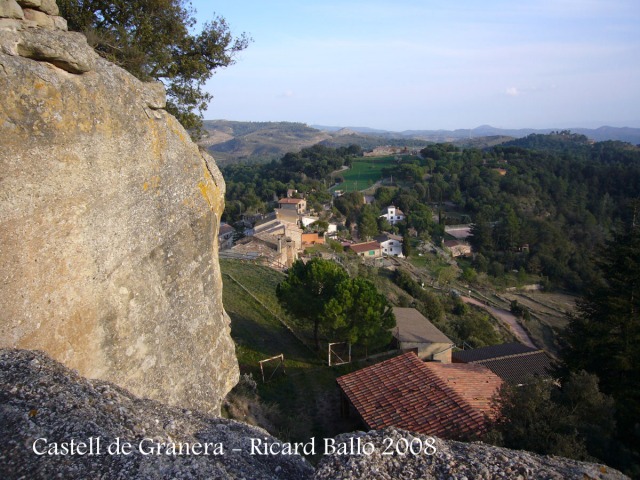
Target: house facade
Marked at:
414, 332
393, 214
309, 239
297, 204
367, 249
225, 236
390, 244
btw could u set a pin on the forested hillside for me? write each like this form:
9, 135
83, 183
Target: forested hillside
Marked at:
539, 205
556, 209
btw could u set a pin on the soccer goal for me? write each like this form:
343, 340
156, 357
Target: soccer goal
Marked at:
339, 353
269, 367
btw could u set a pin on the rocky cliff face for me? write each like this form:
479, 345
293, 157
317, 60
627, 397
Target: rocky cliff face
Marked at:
41, 399
108, 220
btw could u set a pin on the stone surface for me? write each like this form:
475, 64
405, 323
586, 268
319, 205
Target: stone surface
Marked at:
49, 6
66, 50
10, 9
108, 225
30, 3
40, 18
40, 398
59, 23
451, 461
12, 24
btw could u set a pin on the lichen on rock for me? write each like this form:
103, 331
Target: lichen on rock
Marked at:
41, 399
108, 221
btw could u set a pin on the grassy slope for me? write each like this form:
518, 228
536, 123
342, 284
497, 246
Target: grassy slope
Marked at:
307, 395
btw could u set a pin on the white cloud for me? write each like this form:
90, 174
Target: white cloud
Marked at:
286, 94
512, 92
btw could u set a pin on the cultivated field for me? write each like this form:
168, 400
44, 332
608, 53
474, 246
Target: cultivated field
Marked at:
364, 172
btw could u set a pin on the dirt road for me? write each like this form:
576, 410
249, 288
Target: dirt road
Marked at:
505, 317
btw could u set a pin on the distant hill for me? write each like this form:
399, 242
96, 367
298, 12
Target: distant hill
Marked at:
624, 134
230, 141
254, 142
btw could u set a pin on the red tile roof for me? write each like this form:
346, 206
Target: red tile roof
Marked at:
446, 400
293, 201
364, 247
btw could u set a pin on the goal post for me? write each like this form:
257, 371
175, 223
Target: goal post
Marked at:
278, 361
339, 353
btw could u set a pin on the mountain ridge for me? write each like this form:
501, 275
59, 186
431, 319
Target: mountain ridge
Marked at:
602, 133
232, 141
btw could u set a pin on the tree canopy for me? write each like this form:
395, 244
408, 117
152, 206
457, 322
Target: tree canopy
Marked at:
155, 40
359, 314
575, 421
350, 309
603, 335
308, 288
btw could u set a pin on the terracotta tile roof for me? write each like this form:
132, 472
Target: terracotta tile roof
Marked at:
513, 362
292, 201
364, 247
474, 383
412, 326
447, 400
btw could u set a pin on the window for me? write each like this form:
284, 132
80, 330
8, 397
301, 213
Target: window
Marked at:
371, 252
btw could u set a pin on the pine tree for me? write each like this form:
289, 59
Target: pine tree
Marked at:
156, 40
603, 336
406, 245
308, 288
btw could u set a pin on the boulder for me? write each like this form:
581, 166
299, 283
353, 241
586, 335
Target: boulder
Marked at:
44, 405
108, 224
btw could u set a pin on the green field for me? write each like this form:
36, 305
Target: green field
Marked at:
364, 172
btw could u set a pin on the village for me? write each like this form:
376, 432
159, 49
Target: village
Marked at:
280, 238
423, 382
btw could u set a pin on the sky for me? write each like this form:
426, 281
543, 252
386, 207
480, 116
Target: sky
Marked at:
431, 64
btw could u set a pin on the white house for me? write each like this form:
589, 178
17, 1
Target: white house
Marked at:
393, 214
308, 220
390, 244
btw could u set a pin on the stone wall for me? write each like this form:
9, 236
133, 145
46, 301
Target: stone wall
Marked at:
108, 220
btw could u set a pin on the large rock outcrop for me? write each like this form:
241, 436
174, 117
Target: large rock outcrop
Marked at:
108, 220
41, 399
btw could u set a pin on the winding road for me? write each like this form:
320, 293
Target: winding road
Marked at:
505, 317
